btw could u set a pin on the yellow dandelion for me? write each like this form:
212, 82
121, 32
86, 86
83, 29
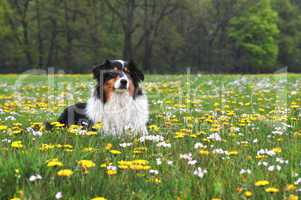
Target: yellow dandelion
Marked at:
290, 187
108, 146
86, 163
111, 172
293, 197
248, 194
3, 127
204, 152
277, 150
98, 198
272, 190
54, 163
17, 144
262, 183
65, 172
115, 152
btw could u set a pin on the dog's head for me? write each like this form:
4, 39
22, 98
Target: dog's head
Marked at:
117, 76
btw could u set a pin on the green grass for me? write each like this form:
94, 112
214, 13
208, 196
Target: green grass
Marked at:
244, 111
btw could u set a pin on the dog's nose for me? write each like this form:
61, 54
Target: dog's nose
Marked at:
123, 82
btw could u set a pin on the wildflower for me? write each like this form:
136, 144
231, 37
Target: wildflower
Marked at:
3, 127
54, 163
272, 190
35, 177
200, 172
108, 146
58, 195
115, 152
57, 124
290, 187
17, 144
124, 145
204, 152
245, 171
248, 194
98, 198
262, 183
169, 162
86, 163
153, 171
65, 172
293, 197
15, 198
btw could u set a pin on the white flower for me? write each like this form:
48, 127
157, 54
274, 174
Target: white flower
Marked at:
58, 195
154, 138
200, 172
199, 145
245, 171
158, 160
111, 167
164, 144
298, 181
187, 156
255, 140
215, 137
271, 168
124, 145
153, 171
10, 118
192, 162
33, 178
169, 162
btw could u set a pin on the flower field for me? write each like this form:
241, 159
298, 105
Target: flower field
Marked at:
210, 137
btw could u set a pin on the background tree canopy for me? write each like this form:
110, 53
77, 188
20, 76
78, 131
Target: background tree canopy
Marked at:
160, 35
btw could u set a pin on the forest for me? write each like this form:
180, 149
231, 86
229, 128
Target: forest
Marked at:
161, 36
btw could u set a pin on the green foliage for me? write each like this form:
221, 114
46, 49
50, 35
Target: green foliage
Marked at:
207, 35
255, 31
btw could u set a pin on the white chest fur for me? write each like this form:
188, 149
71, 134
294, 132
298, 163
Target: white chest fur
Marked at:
121, 114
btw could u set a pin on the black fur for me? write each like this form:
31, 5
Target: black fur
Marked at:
74, 114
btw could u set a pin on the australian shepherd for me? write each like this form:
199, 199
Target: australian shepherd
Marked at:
117, 101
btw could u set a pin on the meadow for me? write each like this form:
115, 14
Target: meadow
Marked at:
210, 137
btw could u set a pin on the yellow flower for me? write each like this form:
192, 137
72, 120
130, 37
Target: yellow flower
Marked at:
262, 183
109, 146
90, 133
204, 152
98, 198
17, 144
290, 187
248, 194
65, 172
57, 124
111, 172
3, 127
86, 163
293, 197
54, 163
216, 199
115, 152
272, 190
15, 198
277, 150
233, 153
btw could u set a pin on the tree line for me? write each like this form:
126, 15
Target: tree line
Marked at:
239, 36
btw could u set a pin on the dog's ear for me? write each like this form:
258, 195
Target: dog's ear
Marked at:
135, 73
99, 69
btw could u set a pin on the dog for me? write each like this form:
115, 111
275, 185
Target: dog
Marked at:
117, 101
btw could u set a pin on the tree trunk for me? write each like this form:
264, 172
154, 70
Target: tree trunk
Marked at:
40, 40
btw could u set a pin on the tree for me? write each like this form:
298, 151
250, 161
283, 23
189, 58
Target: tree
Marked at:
255, 34
290, 32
